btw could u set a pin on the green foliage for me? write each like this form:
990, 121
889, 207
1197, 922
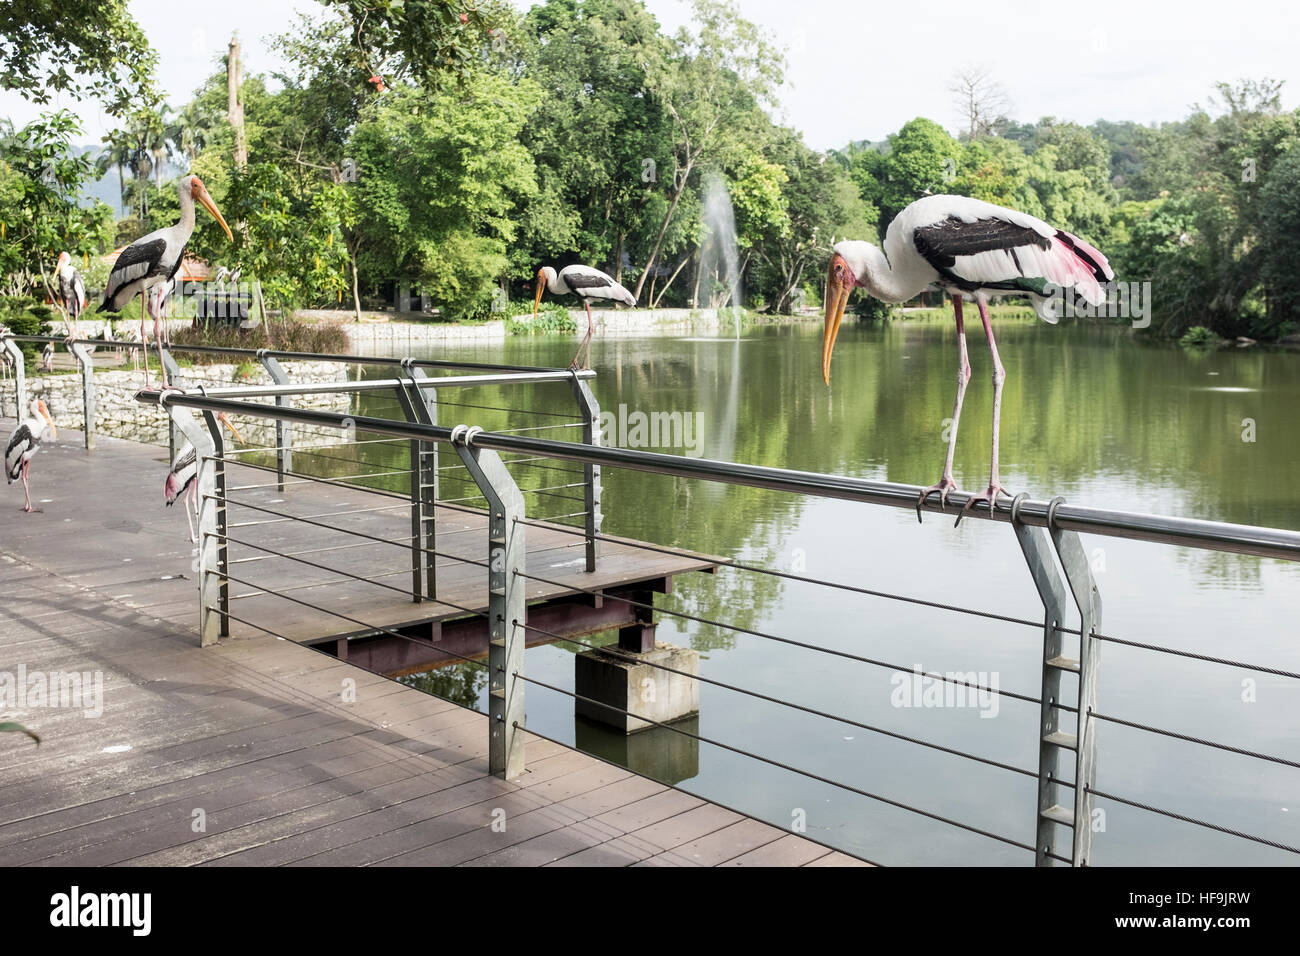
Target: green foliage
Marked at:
1198, 336
78, 47
24, 315
41, 176
553, 317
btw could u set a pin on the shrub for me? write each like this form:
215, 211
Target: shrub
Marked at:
292, 335
1198, 337
26, 316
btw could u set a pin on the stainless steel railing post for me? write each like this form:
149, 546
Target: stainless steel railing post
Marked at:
1056, 746
20, 377
283, 429
589, 410
87, 365
507, 608
208, 562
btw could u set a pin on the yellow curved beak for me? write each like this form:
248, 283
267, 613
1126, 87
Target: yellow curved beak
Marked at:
221, 417
537, 300
211, 207
837, 299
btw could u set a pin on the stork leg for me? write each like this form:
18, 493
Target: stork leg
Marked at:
158, 337
999, 376
191, 502
27, 492
585, 344
147, 303
945, 485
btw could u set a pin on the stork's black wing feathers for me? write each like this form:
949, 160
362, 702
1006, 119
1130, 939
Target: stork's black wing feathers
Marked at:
587, 280
943, 242
19, 442
135, 261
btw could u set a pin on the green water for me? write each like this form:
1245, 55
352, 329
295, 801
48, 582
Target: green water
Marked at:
1089, 413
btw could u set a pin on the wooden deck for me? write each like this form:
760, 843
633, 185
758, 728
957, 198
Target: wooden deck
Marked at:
246, 753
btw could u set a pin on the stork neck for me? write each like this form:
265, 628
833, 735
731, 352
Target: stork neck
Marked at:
888, 284
556, 285
187, 209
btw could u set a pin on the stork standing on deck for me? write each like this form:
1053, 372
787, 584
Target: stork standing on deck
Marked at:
182, 479
972, 250
587, 284
155, 259
24, 442
71, 291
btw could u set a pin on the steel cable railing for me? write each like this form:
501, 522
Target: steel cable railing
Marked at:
530, 450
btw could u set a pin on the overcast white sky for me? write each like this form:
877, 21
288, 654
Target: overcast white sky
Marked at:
859, 70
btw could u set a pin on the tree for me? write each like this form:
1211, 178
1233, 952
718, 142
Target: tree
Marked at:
439, 180
713, 86
600, 134
79, 47
979, 99
41, 175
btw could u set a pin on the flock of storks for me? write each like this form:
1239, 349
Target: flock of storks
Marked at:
970, 249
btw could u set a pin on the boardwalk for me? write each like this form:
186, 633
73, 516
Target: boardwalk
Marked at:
247, 752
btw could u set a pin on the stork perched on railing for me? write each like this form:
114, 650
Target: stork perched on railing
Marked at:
972, 250
154, 259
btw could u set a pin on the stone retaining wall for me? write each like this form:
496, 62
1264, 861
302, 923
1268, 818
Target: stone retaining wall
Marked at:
117, 414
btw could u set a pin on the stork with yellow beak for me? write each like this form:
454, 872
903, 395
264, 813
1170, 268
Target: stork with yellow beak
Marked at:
587, 284
154, 260
25, 442
972, 250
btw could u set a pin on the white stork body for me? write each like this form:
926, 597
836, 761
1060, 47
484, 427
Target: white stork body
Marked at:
587, 284
183, 476
25, 442
71, 290
154, 259
972, 250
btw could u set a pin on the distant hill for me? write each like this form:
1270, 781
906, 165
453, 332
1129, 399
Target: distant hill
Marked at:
106, 188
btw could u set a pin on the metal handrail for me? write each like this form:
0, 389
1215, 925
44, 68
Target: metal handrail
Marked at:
1163, 529
256, 354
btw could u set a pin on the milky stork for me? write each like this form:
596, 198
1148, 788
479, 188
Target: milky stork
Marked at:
71, 291
182, 478
971, 250
587, 284
47, 357
154, 259
24, 442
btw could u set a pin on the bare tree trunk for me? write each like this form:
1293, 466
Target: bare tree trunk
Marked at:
356, 293
680, 265
663, 228
234, 108
699, 272
618, 259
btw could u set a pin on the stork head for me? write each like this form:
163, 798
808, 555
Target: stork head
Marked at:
221, 417
199, 193
544, 276
42, 412
848, 266
64, 260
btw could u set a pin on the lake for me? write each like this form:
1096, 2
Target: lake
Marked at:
1091, 413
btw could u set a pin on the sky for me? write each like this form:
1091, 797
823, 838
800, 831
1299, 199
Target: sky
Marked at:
860, 69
